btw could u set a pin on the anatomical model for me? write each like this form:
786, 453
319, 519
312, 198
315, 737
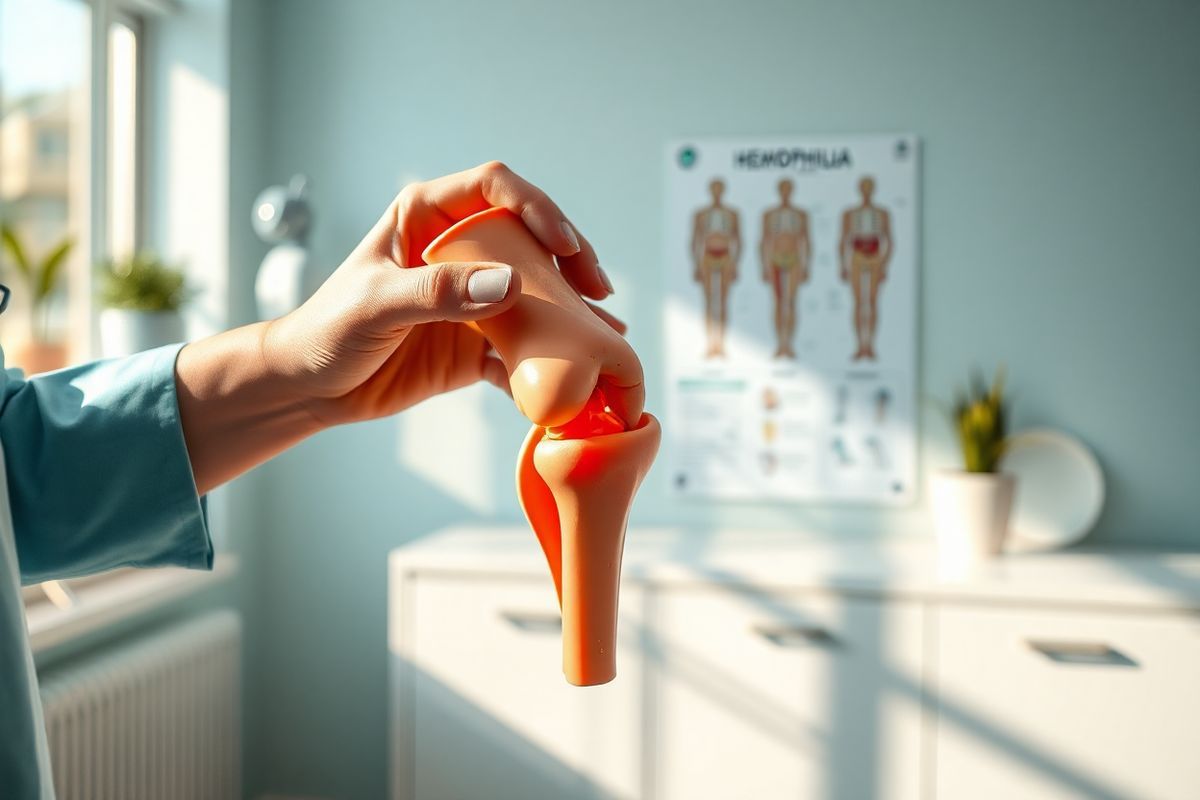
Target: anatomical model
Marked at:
716, 248
864, 250
591, 444
785, 251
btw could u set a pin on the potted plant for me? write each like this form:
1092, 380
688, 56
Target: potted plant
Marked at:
971, 506
142, 297
40, 352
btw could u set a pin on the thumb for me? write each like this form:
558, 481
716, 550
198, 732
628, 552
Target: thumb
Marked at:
451, 291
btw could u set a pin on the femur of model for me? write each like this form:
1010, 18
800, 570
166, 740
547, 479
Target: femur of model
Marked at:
581, 385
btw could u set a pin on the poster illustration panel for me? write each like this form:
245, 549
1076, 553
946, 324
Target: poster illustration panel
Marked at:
791, 276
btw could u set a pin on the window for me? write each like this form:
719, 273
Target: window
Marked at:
69, 169
52, 148
70, 172
122, 137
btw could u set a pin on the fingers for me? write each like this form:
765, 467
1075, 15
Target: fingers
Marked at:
453, 291
493, 184
612, 322
493, 372
584, 273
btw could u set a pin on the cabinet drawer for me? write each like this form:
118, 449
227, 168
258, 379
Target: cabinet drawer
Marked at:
786, 696
494, 717
1040, 704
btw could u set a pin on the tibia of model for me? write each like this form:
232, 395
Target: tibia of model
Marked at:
577, 494
591, 445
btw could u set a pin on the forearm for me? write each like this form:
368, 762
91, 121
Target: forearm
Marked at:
236, 413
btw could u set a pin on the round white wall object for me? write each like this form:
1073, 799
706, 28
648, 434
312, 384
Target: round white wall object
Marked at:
1059, 492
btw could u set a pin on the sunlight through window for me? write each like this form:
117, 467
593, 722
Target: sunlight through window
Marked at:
44, 157
122, 140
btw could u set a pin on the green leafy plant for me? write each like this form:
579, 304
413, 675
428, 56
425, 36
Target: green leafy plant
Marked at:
40, 275
142, 282
980, 417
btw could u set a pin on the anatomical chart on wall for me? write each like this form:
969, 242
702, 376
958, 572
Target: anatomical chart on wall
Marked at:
791, 330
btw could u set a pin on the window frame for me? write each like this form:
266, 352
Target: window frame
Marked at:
59, 604
137, 24
104, 13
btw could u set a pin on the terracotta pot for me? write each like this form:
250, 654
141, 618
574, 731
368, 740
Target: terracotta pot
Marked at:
33, 357
970, 515
591, 444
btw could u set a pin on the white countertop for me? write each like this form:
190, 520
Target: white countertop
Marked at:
780, 561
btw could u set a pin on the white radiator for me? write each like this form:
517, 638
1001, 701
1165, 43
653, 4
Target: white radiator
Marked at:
155, 719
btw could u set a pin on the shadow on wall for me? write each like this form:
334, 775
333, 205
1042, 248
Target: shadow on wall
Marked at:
465, 443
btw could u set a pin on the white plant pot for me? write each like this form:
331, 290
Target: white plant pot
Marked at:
970, 517
124, 332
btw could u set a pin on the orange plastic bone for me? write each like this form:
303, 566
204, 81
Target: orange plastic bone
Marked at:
591, 445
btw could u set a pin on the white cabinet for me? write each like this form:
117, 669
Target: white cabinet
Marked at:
769, 667
486, 710
797, 695
1066, 704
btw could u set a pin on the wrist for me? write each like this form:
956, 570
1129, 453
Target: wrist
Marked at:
277, 380
291, 377
235, 409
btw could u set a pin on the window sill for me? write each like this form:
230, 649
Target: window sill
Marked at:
100, 604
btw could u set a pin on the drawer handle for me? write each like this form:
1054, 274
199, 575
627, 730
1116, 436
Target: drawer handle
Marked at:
796, 635
1097, 654
533, 621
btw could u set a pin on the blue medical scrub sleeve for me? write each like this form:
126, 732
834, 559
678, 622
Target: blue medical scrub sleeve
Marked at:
98, 477
98, 472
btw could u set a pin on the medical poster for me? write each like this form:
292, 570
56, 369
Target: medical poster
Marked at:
791, 269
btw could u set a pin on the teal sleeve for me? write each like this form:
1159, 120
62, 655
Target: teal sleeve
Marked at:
98, 471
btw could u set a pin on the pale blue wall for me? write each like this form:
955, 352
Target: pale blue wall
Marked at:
219, 42
1061, 166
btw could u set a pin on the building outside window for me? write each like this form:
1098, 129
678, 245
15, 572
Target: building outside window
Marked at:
69, 158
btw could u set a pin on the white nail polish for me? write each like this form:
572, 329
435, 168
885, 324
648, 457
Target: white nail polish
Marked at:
489, 285
570, 234
605, 280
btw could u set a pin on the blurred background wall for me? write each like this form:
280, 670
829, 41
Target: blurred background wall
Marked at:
1059, 171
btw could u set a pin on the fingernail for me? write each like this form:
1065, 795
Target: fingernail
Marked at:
569, 232
604, 279
489, 285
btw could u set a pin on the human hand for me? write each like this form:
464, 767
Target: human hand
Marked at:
384, 333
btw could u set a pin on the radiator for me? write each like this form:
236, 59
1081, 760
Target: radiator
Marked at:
157, 718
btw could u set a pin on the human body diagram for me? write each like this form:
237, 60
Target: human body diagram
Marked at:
716, 247
864, 251
785, 252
